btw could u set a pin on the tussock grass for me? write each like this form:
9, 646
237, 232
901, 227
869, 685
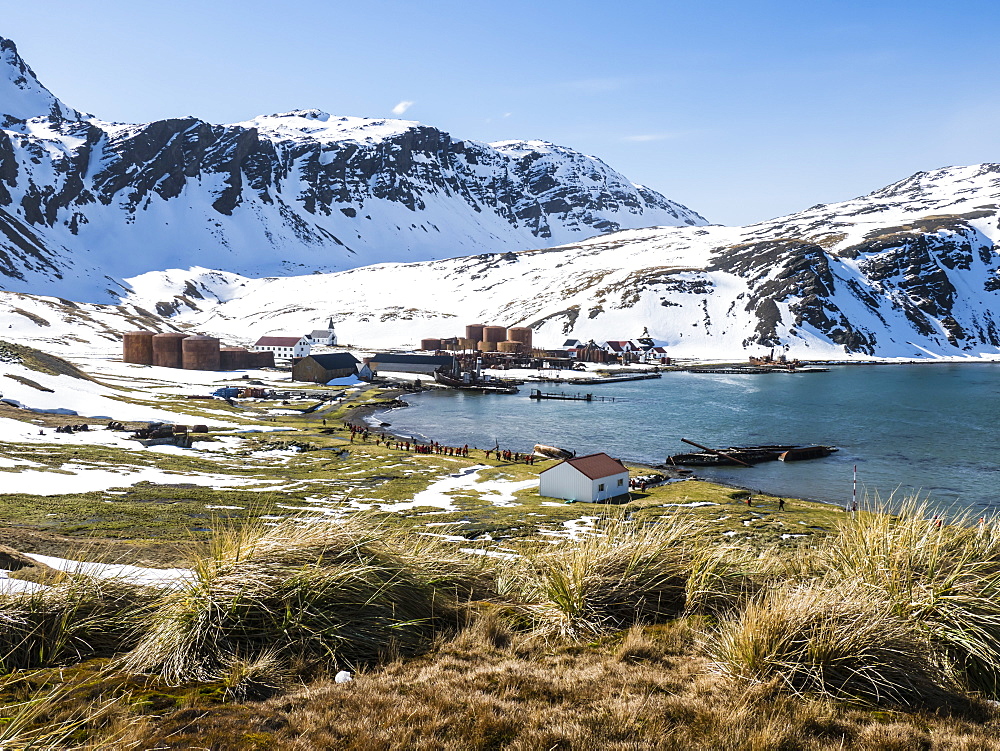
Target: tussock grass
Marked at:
23, 726
314, 595
628, 574
76, 618
943, 576
831, 641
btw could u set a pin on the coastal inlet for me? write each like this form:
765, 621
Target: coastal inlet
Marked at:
921, 429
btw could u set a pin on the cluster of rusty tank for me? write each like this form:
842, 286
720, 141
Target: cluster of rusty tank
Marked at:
479, 336
173, 349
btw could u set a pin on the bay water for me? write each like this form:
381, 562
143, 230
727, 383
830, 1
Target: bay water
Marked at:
925, 429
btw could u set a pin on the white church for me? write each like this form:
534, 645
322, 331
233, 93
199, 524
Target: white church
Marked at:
325, 336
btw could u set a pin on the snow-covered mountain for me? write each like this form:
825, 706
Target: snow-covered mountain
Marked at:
911, 270
191, 214
907, 271
85, 203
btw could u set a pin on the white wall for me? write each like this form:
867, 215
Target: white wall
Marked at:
566, 482
611, 486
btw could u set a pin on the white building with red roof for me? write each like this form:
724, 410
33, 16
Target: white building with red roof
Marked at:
591, 478
284, 347
620, 346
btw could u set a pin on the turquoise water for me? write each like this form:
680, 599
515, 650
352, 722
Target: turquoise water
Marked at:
910, 429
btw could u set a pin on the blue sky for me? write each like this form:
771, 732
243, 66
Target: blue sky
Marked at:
740, 110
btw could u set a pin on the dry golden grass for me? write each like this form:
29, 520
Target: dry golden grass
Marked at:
651, 690
841, 643
319, 595
629, 573
643, 637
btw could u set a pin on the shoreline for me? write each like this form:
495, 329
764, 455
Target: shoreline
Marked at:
366, 413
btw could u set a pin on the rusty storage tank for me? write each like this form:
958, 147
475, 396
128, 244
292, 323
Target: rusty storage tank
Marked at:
450, 344
474, 331
487, 346
137, 347
510, 346
167, 349
262, 359
434, 344
200, 353
465, 344
520, 334
233, 358
495, 334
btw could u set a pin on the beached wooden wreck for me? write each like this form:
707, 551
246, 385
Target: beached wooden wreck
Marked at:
553, 452
747, 456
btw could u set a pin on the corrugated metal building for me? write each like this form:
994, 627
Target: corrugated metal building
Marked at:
412, 363
324, 368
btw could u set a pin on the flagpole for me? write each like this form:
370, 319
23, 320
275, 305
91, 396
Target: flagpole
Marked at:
854, 491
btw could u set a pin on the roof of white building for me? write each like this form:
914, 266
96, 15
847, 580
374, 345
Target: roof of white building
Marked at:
594, 466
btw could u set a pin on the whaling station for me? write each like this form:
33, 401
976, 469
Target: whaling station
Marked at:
173, 349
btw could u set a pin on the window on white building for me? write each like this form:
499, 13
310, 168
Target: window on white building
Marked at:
600, 487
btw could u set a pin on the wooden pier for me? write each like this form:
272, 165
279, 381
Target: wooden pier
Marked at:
593, 381
539, 394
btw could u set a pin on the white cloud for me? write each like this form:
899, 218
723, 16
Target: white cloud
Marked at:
400, 108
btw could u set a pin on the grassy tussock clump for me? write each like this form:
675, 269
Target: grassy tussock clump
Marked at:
77, 618
312, 594
628, 574
825, 640
944, 577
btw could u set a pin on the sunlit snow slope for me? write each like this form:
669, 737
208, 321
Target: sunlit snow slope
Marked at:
85, 203
907, 271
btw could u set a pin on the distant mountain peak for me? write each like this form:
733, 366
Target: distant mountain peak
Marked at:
86, 203
22, 95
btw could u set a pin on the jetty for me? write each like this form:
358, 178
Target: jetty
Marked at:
593, 381
756, 370
539, 394
733, 371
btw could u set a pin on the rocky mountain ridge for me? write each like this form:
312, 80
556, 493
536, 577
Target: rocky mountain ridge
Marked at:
85, 203
909, 271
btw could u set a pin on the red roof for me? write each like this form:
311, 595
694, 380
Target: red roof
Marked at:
595, 466
278, 341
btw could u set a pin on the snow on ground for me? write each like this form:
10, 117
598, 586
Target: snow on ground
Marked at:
18, 586
574, 529
15, 431
78, 478
72, 395
135, 574
501, 492
439, 493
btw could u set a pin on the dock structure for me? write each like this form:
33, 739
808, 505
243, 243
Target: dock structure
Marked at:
733, 371
539, 394
593, 381
756, 370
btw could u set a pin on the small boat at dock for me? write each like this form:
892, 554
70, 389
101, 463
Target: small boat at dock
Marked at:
473, 382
